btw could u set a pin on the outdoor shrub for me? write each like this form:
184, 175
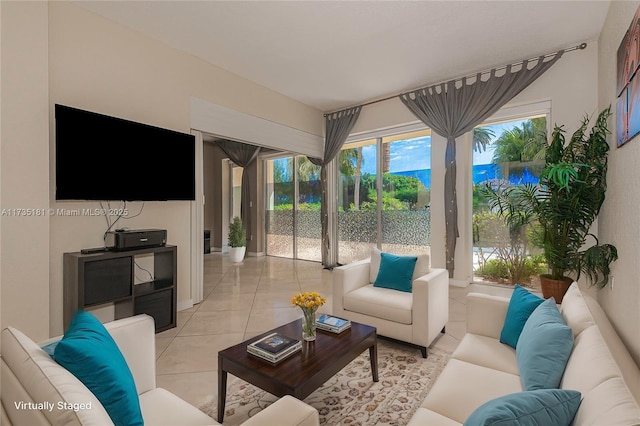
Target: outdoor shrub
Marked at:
498, 270
493, 269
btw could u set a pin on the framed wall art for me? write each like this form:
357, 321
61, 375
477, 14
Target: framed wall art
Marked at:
628, 84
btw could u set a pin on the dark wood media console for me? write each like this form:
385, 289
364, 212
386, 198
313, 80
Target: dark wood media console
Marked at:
108, 277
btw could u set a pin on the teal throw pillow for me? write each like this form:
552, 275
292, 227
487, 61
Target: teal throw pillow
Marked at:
50, 348
521, 305
544, 348
396, 272
88, 351
555, 407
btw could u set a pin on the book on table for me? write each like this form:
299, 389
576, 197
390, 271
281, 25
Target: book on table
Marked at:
333, 324
274, 347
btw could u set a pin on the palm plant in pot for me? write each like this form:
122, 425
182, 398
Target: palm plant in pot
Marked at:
237, 240
565, 203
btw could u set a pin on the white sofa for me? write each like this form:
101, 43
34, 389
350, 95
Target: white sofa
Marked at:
30, 376
417, 317
482, 368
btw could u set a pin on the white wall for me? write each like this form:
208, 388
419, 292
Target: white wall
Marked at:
618, 222
570, 85
24, 167
98, 65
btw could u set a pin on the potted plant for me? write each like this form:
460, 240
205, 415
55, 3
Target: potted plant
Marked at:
237, 240
565, 203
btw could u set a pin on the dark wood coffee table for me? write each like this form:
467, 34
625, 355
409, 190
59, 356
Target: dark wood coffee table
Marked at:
303, 372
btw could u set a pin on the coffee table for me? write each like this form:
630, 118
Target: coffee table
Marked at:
303, 372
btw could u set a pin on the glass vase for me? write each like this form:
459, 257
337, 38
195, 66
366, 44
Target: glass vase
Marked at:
309, 325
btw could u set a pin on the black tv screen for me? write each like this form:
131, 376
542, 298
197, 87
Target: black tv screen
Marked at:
104, 158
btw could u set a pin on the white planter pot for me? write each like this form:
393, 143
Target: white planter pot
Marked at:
236, 254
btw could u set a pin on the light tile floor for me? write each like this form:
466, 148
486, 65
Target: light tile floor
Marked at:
246, 299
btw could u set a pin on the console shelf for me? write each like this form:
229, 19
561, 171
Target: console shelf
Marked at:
151, 287
108, 277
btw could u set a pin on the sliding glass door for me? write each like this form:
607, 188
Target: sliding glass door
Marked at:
357, 208
279, 207
293, 208
308, 230
406, 183
384, 195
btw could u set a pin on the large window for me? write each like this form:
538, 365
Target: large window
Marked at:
383, 196
506, 154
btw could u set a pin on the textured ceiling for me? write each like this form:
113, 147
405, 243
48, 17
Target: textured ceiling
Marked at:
334, 54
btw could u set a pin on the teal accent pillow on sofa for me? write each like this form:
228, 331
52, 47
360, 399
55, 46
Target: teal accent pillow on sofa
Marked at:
555, 407
89, 352
521, 305
50, 348
544, 348
396, 272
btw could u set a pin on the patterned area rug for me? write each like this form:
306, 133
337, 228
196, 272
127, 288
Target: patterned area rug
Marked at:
351, 397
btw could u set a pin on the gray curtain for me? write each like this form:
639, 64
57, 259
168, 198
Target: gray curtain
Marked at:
243, 155
453, 108
338, 125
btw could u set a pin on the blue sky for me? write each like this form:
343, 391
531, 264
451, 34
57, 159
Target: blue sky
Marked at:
412, 154
415, 154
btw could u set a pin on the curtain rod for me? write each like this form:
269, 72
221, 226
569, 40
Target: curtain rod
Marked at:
581, 46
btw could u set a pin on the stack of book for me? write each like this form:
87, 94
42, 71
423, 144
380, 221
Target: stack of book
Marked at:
274, 347
332, 324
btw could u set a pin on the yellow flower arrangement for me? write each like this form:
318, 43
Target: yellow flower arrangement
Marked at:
309, 302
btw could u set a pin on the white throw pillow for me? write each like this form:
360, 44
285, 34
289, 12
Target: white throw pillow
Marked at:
422, 265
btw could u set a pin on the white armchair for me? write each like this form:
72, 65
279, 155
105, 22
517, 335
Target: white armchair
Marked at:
416, 317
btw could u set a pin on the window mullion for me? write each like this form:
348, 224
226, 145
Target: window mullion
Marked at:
379, 162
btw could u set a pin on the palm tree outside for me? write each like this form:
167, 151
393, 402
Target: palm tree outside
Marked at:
482, 136
523, 143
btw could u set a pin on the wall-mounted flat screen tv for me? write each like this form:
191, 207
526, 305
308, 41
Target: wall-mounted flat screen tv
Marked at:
105, 158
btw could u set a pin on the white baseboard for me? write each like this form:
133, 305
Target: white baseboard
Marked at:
184, 304
458, 283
